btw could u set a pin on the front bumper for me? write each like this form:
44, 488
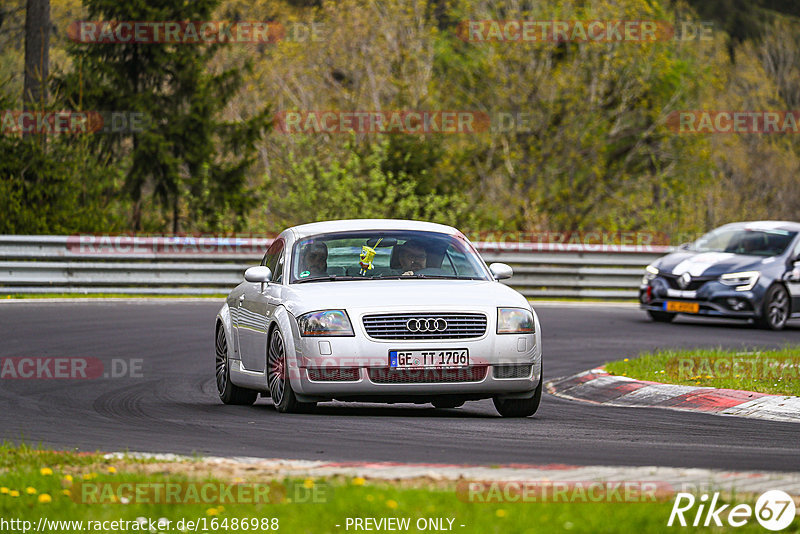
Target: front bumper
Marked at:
364, 362
713, 298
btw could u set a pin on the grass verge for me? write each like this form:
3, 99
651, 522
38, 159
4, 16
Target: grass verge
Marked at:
39, 485
765, 371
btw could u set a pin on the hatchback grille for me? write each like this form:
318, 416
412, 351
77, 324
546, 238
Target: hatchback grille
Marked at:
512, 371
694, 285
333, 374
427, 376
396, 326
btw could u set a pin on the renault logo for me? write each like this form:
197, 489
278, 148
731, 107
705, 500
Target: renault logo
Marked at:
426, 325
685, 280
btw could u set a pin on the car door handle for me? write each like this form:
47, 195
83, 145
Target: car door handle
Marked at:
241, 299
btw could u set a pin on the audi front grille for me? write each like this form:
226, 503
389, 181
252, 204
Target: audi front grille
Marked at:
385, 375
425, 325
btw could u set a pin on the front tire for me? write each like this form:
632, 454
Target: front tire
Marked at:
775, 310
520, 407
280, 387
229, 393
661, 317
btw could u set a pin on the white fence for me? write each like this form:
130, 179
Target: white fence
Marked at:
198, 266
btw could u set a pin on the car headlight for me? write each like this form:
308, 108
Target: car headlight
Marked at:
650, 273
515, 321
325, 323
744, 281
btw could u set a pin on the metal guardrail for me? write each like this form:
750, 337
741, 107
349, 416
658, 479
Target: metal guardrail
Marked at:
212, 265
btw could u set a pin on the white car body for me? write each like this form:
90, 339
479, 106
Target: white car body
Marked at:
255, 310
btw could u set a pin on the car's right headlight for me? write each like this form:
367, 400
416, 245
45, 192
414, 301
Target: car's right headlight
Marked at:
515, 321
744, 281
325, 323
650, 273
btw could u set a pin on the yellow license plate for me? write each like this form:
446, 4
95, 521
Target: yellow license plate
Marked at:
682, 307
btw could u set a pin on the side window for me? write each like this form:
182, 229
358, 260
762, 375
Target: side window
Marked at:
274, 260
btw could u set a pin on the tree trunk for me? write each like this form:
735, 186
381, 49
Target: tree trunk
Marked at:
37, 54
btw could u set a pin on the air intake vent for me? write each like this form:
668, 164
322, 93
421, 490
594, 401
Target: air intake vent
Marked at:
427, 376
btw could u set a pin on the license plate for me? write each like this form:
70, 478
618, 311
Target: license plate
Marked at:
682, 307
403, 359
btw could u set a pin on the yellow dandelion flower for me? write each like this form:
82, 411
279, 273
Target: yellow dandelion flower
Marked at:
30, 490
112, 469
308, 483
88, 476
391, 504
500, 513
212, 511
13, 493
44, 498
66, 492
68, 478
4, 490
45, 471
358, 481
625, 360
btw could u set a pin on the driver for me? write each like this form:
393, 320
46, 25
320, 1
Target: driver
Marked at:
314, 260
412, 257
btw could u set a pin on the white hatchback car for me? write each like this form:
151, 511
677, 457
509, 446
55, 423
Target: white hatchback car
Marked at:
378, 311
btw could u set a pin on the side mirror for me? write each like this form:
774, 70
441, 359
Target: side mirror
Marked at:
501, 271
684, 246
258, 274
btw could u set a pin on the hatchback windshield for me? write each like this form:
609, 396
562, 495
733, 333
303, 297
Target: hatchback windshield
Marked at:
369, 255
742, 241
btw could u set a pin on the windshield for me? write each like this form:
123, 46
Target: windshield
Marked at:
743, 241
369, 255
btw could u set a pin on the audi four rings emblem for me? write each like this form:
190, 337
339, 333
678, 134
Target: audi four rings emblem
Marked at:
426, 325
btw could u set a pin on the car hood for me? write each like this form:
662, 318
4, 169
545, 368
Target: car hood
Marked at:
710, 263
401, 295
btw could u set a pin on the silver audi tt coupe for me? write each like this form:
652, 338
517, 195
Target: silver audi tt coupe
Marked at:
378, 311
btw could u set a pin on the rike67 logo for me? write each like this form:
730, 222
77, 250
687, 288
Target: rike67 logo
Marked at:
774, 510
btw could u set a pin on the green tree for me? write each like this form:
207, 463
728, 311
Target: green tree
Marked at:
190, 159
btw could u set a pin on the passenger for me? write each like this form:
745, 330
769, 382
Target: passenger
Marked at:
314, 260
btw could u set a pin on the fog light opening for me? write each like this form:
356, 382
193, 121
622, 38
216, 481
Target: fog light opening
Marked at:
736, 304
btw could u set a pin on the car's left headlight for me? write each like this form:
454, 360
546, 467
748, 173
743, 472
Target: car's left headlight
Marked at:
650, 273
515, 321
744, 281
325, 323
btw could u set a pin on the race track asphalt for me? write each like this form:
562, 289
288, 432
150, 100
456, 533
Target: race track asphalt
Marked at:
172, 405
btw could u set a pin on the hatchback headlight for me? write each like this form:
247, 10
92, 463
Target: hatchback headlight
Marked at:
515, 321
325, 323
650, 273
744, 281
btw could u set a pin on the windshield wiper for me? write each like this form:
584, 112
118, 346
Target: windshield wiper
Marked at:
331, 277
